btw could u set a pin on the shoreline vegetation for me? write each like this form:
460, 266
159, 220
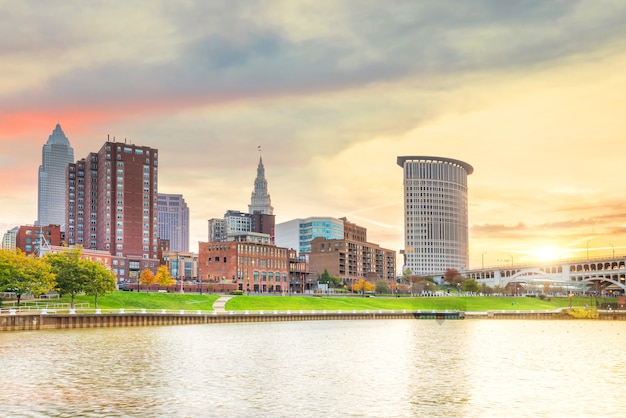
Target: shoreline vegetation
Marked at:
152, 301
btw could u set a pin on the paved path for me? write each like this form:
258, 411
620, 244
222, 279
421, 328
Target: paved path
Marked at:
218, 305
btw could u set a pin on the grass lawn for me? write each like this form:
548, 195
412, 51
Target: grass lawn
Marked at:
132, 301
142, 300
461, 303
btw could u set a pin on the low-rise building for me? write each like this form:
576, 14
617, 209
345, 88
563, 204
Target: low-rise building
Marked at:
246, 264
31, 238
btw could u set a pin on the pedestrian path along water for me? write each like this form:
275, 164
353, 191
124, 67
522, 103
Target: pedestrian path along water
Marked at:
218, 305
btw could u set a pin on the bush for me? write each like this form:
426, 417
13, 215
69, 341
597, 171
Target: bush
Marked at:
581, 313
236, 292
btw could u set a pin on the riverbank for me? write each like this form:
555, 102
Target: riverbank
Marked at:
47, 321
153, 301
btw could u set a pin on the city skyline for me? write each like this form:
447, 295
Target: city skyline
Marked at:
530, 94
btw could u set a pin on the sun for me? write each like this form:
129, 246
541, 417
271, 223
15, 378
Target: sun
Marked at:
546, 253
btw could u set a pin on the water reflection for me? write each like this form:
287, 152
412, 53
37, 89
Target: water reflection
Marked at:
399, 368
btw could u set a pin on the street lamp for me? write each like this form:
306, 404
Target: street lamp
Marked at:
612, 246
180, 274
483, 258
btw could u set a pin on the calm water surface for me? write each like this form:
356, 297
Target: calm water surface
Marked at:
395, 368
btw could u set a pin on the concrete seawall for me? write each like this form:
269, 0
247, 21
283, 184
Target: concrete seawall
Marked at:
32, 321
38, 321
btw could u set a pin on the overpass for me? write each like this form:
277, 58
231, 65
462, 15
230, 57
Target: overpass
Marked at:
598, 274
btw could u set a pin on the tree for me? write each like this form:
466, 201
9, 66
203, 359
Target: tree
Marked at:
324, 277
146, 277
415, 280
163, 277
101, 279
72, 277
382, 286
332, 281
453, 277
362, 286
470, 285
24, 275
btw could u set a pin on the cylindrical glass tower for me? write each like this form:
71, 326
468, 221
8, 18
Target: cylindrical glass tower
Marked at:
435, 214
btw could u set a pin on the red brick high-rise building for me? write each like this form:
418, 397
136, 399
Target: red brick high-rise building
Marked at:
112, 206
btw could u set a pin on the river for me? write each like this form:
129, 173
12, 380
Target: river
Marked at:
378, 368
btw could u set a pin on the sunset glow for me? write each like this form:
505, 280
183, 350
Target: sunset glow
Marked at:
530, 94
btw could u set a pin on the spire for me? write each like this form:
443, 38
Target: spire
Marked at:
260, 201
58, 137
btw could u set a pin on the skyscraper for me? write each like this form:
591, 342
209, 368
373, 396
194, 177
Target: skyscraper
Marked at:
55, 156
435, 214
260, 208
260, 201
174, 221
112, 206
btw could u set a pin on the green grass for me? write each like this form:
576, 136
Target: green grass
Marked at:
462, 303
142, 300
190, 302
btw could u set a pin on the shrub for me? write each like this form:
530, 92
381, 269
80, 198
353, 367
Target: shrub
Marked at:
582, 313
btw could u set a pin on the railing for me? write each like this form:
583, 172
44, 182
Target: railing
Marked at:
34, 307
131, 311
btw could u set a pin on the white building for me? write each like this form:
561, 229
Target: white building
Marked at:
8, 240
297, 234
236, 221
174, 221
435, 214
56, 155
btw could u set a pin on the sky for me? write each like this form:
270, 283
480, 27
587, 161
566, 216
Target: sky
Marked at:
531, 94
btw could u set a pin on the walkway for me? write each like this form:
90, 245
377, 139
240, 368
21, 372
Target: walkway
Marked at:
218, 305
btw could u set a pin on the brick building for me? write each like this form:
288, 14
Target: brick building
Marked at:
103, 257
247, 265
352, 258
30, 238
112, 206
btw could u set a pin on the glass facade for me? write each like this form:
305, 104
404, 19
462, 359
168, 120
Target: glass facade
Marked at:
174, 221
328, 228
56, 155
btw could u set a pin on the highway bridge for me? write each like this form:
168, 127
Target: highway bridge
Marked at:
600, 275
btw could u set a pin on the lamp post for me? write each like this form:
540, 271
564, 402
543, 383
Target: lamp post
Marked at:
588, 249
612, 246
483, 259
180, 275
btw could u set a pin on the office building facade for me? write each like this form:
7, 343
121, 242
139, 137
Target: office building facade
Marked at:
112, 206
174, 221
352, 258
436, 233
298, 233
216, 230
8, 239
55, 157
246, 265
